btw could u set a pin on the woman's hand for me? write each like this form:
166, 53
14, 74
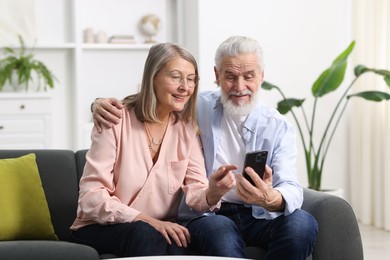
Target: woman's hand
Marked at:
168, 229
221, 181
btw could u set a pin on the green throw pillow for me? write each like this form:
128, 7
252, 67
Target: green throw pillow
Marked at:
24, 213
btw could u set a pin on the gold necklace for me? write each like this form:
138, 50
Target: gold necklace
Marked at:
151, 140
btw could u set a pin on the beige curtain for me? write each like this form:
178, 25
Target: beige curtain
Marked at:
370, 121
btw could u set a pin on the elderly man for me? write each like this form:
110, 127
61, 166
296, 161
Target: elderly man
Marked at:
233, 122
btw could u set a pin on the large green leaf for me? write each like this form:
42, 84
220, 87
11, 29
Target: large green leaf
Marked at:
344, 55
268, 86
331, 78
372, 95
360, 69
286, 105
383, 72
387, 80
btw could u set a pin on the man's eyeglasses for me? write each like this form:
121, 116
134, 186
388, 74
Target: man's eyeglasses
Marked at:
177, 79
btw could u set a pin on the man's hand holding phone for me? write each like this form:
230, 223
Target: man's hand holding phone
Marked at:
262, 194
258, 182
257, 161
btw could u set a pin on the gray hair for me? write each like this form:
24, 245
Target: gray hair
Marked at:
236, 45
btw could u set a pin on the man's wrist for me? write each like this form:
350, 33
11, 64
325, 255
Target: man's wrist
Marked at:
274, 200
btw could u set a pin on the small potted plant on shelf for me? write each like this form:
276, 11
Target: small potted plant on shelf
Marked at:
326, 83
18, 67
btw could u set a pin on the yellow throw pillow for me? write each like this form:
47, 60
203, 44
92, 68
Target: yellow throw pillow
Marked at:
24, 213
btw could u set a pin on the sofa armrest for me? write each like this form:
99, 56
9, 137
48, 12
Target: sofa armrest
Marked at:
43, 249
338, 229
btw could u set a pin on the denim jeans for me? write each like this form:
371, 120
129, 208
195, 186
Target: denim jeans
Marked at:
215, 235
286, 237
126, 239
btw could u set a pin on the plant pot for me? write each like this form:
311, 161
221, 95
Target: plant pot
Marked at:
14, 86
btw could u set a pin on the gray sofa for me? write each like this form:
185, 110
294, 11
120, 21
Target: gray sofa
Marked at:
60, 171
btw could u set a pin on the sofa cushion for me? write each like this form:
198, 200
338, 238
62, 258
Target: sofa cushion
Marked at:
25, 213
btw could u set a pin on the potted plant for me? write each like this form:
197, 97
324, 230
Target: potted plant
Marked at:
327, 82
18, 66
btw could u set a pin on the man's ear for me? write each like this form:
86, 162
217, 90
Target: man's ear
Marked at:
262, 76
216, 75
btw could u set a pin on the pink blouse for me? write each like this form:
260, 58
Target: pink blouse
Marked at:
120, 181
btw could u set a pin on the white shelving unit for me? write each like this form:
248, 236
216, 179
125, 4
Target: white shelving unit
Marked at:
86, 71
25, 121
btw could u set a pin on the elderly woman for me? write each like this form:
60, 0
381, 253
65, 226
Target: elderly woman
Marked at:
138, 170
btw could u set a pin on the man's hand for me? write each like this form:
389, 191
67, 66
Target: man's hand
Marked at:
221, 181
106, 112
168, 229
262, 194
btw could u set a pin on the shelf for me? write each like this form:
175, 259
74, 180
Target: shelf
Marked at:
116, 46
55, 46
25, 94
88, 46
45, 46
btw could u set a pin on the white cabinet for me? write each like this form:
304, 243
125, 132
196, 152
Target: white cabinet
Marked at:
89, 70
25, 121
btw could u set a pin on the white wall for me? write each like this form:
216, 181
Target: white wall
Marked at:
300, 39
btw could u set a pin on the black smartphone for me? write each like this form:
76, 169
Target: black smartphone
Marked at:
256, 160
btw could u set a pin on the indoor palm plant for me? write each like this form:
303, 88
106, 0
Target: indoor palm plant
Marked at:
327, 82
18, 66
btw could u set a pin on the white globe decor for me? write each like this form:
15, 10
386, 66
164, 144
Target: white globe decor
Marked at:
150, 25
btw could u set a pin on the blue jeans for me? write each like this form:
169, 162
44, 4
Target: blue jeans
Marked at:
126, 239
215, 235
286, 237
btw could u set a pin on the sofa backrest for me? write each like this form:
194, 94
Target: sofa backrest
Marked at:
80, 162
58, 172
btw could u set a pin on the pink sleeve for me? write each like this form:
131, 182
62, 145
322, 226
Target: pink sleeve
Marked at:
96, 200
196, 182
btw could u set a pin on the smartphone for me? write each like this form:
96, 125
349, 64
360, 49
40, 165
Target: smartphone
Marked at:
256, 160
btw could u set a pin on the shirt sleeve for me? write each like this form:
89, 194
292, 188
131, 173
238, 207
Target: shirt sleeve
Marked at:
283, 165
276, 135
196, 182
96, 200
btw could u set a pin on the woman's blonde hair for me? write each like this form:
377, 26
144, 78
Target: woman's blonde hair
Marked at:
144, 103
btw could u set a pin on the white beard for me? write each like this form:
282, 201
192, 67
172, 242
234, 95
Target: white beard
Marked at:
240, 109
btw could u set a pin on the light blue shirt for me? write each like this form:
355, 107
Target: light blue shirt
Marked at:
264, 129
